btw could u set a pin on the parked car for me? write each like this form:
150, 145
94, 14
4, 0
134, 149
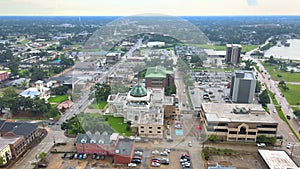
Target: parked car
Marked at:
98, 157
80, 156
288, 117
190, 144
155, 158
261, 145
155, 152
131, 165
42, 165
102, 157
137, 161
138, 153
137, 157
75, 155
84, 156
63, 155
289, 145
155, 164
164, 153
165, 161
94, 156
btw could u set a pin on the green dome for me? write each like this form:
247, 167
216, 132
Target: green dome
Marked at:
138, 91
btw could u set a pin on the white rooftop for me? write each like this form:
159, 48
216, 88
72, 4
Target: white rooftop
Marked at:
277, 159
222, 112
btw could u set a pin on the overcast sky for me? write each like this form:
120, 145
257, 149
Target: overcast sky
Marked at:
135, 7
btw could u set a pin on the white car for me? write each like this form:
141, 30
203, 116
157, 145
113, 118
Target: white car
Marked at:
261, 145
155, 152
155, 164
131, 165
289, 145
190, 144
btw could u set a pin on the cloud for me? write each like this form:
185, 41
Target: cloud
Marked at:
252, 2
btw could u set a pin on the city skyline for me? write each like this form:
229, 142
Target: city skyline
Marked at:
137, 7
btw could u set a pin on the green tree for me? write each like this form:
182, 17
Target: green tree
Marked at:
248, 65
42, 156
102, 91
195, 59
1, 161
13, 65
2, 104
265, 139
258, 87
264, 98
170, 90
212, 137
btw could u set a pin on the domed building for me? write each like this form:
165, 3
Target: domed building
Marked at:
143, 108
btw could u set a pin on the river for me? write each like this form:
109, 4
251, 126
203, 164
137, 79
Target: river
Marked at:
292, 52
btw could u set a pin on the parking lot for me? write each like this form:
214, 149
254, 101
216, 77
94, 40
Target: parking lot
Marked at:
160, 157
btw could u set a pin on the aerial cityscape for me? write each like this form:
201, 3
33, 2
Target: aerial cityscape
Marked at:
150, 84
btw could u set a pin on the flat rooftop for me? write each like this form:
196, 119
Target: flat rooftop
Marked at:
277, 159
222, 112
124, 146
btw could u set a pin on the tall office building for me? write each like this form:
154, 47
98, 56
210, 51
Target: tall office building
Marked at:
242, 86
233, 54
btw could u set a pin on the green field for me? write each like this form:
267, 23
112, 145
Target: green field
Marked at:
117, 123
293, 94
58, 99
245, 48
100, 105
274, 71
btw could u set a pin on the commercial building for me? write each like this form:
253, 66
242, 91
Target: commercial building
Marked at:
29, 131
233, 54
5, 152
143, 108
3, 75
17, 145
102, 144
159, 77
122, 149
237, 122
242, 87
276, 159
156, 43
113, 57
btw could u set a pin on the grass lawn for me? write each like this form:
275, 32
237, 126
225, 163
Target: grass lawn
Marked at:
117, 123
286, 76
93, 106
292, 95
101, 105
58, 99
245, 48
281, 114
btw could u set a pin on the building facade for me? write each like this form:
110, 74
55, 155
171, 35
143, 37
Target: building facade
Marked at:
3, 75
233, 54
143, 108
159, 77
122, 149
5, 153
237, 122
101, 144
242, 87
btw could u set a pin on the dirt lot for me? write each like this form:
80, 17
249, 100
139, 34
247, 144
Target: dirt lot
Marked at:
238, 160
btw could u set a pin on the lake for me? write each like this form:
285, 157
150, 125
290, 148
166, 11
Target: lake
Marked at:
292, 52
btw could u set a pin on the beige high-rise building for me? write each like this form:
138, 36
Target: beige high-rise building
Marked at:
233, 54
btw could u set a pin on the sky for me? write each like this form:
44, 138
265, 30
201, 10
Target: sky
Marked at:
136, 7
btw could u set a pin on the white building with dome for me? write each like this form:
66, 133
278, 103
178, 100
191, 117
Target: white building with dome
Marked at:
144, 108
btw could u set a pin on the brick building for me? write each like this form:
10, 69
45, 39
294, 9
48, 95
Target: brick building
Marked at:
159, 77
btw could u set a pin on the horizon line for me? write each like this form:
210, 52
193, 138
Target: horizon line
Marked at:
145, 15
